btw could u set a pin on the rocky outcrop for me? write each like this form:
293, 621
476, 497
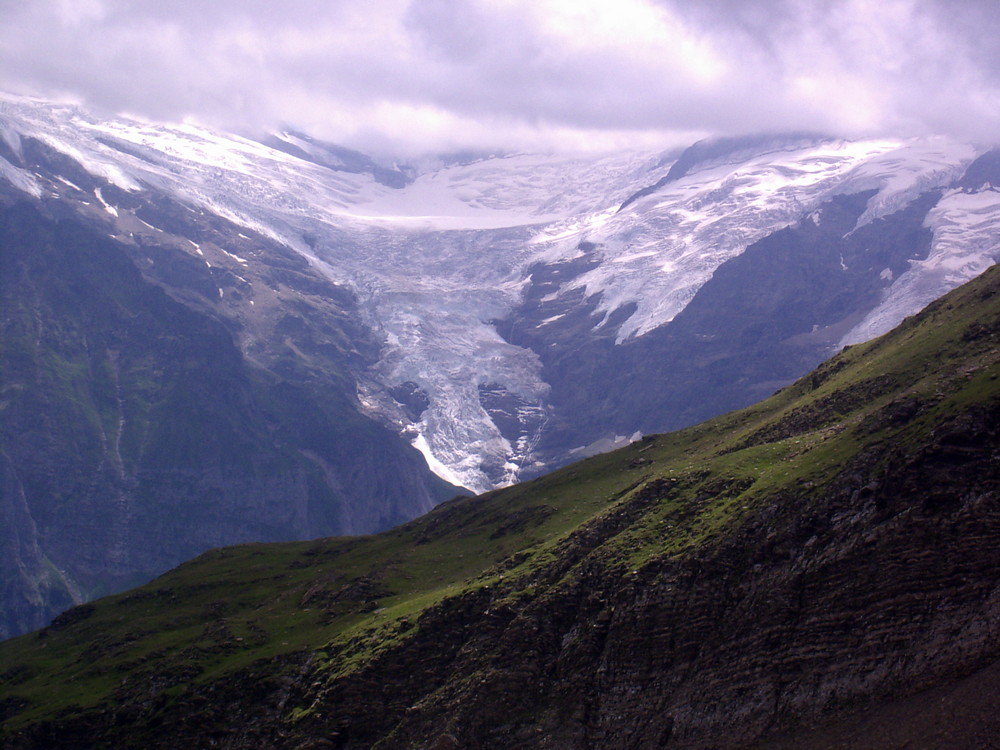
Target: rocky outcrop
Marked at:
886, 583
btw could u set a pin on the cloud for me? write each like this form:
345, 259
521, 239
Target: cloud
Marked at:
433, 74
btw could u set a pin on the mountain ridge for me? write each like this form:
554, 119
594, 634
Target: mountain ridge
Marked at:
434, 261
713, 151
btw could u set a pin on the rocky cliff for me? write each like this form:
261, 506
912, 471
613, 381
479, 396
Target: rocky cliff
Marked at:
137, 432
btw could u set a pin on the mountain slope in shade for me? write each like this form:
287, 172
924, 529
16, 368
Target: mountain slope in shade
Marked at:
135, 433
816, 569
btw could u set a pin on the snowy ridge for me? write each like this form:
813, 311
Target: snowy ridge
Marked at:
659, 251
435, 261
966, 242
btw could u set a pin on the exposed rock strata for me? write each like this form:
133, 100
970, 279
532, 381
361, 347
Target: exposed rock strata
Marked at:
829, 602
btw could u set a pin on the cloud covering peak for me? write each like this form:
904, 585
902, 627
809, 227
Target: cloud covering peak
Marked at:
420, 75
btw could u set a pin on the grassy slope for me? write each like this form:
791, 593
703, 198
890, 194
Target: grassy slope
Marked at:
257, 610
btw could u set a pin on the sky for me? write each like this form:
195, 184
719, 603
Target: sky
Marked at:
416, 76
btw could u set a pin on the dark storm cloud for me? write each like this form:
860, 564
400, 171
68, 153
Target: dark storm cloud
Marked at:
519, 73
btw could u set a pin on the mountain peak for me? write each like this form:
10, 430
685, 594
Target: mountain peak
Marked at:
711, 152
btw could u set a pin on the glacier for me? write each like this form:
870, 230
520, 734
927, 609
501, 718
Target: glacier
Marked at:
435, 262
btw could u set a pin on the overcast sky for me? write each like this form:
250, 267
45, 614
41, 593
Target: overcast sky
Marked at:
414, 75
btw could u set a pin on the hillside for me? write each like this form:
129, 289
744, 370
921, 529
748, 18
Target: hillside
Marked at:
818, 570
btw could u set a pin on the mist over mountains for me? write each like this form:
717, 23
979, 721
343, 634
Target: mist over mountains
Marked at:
528, 374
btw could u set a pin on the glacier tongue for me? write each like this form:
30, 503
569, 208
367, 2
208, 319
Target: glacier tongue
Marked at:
438, 337
436, 261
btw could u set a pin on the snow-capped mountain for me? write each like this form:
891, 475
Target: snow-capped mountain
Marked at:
478, 275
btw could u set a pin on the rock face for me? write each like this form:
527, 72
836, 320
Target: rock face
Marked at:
852, 601
885, 586
136, 433
820, 566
